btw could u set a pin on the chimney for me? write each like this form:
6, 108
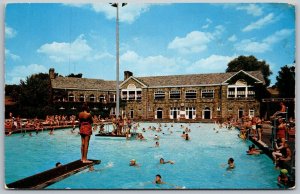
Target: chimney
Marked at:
127, 74
51, 73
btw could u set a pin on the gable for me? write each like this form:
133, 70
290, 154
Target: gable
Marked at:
242, 78
132, 83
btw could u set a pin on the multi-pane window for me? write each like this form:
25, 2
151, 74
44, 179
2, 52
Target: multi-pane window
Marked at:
175, 94
251, 112
92, 98
131, 95
124, 95
71, 98
251, 92
191, 94
138, 95
241, 92
231, 92
81, 98
101, 98
112, 98
207, 93
159, 95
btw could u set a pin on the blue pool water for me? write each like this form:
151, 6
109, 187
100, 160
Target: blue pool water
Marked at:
199, 163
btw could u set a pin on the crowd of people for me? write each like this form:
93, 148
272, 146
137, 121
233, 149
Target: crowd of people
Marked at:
249, 127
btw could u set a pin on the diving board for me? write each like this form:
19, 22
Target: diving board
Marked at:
51, 176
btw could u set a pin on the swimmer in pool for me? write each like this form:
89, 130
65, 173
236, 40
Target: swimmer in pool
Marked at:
133, 163
158, 179
183, 134
156, 137
187, 137
162, 161
57, 164
157, 144
230, 164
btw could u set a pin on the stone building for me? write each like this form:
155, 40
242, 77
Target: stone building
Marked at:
178, 97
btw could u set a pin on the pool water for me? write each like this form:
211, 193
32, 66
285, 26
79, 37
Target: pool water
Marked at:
199, 163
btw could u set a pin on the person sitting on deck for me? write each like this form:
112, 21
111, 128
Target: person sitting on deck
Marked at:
278, 146
286, 156
162, 161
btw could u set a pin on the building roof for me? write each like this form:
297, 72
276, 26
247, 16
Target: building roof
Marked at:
273, 91
82, 83
195, 79
151, 81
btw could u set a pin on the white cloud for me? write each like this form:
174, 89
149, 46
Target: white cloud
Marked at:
12, 56
251, 9
208, 22
260, 23
150, 65
278, 36
101, 55
252, 46
64, 51
213, 63
22, 71
218, 31
266, 44
128, 13
79, 5
232, 38
193, 42
10, 32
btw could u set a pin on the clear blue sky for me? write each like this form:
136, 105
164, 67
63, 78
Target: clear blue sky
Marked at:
155, 39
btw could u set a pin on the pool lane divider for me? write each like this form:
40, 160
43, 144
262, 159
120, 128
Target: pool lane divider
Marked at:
51, 176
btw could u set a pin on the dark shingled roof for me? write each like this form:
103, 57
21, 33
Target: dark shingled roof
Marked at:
82, 83
151, 81
193, 79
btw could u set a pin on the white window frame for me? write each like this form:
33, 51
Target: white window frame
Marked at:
71, 96
191, 92
251, 112
80, 97
187, 110
172, 110
159, 93
92, 96
174, 92
206, 91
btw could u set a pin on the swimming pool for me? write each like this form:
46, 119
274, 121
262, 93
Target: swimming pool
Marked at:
199, 163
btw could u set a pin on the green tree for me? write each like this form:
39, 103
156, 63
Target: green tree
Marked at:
79, 75
35, 90
286, 82
250, 63
13, 91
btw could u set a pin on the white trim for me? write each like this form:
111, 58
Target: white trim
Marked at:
259, 81
184, 86
80, 89
131, 77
